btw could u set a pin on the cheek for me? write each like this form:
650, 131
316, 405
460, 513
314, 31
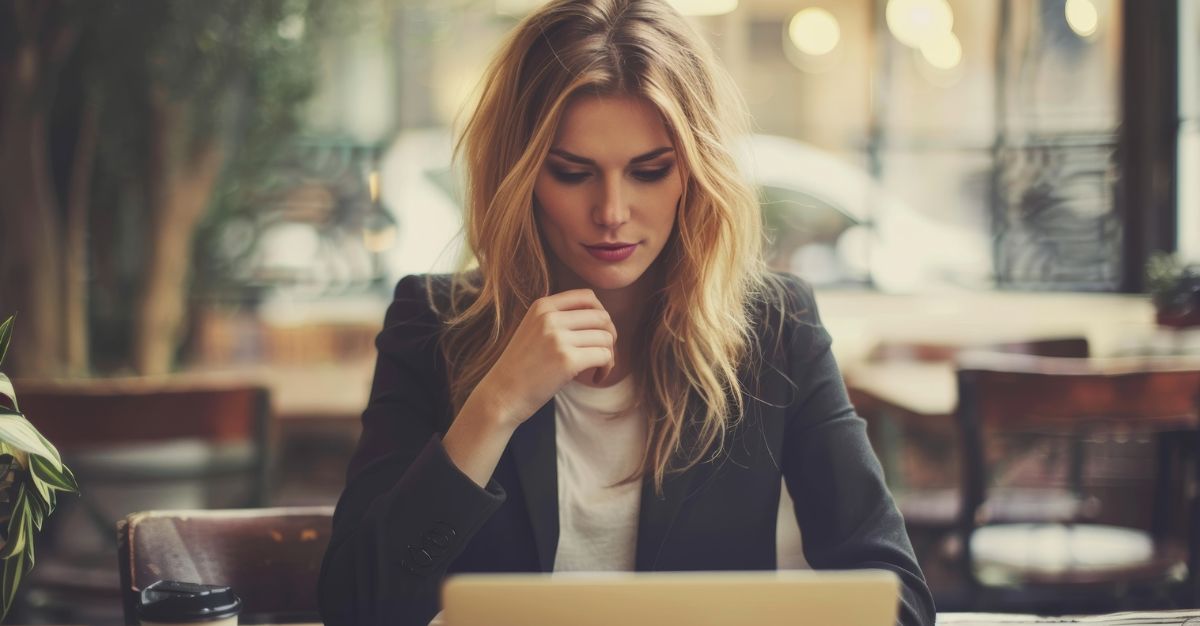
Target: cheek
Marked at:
547, 204
665, 203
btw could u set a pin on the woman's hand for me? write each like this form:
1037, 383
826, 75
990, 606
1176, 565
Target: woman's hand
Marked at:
560, 337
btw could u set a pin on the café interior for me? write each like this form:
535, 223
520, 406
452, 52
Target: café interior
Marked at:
204, 208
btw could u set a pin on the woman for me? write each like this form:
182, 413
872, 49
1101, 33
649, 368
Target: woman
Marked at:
619, 385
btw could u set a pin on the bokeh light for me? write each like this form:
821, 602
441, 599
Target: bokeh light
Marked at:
943, 52
814, 31
914, 22
1082, 17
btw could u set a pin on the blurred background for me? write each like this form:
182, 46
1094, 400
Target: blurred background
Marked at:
225, 192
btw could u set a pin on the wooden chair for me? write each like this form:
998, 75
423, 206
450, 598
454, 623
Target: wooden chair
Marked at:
1082, 406
934, 509
270, 557
136, 444
926, 351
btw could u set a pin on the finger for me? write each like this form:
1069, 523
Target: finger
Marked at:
602, 373
612, 361
587, 358
591, 338
573, 299
583, 319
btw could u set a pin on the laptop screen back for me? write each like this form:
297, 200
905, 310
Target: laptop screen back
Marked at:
784, 598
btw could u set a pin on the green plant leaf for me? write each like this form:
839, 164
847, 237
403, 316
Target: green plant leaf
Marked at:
5, 336
38, 511
11, 573
20, 433
41, 491
8, 395
17, 525
29, 543
60, 478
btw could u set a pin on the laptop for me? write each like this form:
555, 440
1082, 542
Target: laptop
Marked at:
782, 598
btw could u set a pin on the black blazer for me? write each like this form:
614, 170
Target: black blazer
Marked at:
408, 516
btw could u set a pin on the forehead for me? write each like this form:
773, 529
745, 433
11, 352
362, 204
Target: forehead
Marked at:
612, 127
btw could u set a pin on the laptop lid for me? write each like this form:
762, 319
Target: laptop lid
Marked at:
783, 598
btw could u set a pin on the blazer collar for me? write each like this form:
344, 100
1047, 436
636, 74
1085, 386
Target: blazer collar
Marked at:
534, 455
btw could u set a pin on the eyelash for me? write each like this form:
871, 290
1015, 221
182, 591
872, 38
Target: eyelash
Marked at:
645, 176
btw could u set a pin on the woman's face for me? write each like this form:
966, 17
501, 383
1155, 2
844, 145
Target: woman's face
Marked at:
606, 196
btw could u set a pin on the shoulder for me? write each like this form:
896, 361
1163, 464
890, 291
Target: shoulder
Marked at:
431, 297
785, 299
420, 304
786, 322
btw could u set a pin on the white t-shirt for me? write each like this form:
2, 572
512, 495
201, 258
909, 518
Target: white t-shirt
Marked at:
600, 442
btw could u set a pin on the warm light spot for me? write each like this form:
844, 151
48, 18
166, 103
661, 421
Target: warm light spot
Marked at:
1082, 17
308, 534
814, 31
944, 52
373, 185
379, 239
914, 22
704, 7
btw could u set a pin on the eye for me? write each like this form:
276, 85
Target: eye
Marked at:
650, 176
569, 178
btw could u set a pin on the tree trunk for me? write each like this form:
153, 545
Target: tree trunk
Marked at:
75, 257
28, 218
179, 187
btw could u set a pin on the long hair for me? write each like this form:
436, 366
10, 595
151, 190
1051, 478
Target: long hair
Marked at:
698, 330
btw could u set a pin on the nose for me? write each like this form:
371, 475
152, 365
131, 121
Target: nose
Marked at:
611, 209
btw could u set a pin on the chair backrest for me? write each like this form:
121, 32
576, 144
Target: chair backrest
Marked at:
95, 413
1009, 392
270, 557
114, 429
137, 444
926, 351
1083, 402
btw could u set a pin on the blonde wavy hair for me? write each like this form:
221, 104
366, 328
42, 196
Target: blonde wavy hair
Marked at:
698, 328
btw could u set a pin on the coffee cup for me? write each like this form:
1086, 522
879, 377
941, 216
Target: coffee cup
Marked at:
169, 602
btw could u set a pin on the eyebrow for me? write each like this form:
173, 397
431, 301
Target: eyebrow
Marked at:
641, 158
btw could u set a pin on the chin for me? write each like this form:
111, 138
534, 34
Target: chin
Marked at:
610, 279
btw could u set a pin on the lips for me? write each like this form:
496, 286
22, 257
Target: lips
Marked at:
612, 252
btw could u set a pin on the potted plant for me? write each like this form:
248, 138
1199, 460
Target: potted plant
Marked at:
1175, 287
31, 475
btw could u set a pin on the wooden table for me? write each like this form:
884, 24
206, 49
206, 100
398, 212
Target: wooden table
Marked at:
1146, 618
1190, 617
912, 390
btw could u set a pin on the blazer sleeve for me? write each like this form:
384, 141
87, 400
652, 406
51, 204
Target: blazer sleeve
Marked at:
406, 511
847, 517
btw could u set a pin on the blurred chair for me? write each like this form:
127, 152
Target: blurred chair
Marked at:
270, 557
136, 444
935, 508
925, 351
1091, 412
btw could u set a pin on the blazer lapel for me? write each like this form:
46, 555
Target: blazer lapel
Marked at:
657, 515
533, 451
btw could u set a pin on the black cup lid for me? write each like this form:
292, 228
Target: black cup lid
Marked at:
174, 602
